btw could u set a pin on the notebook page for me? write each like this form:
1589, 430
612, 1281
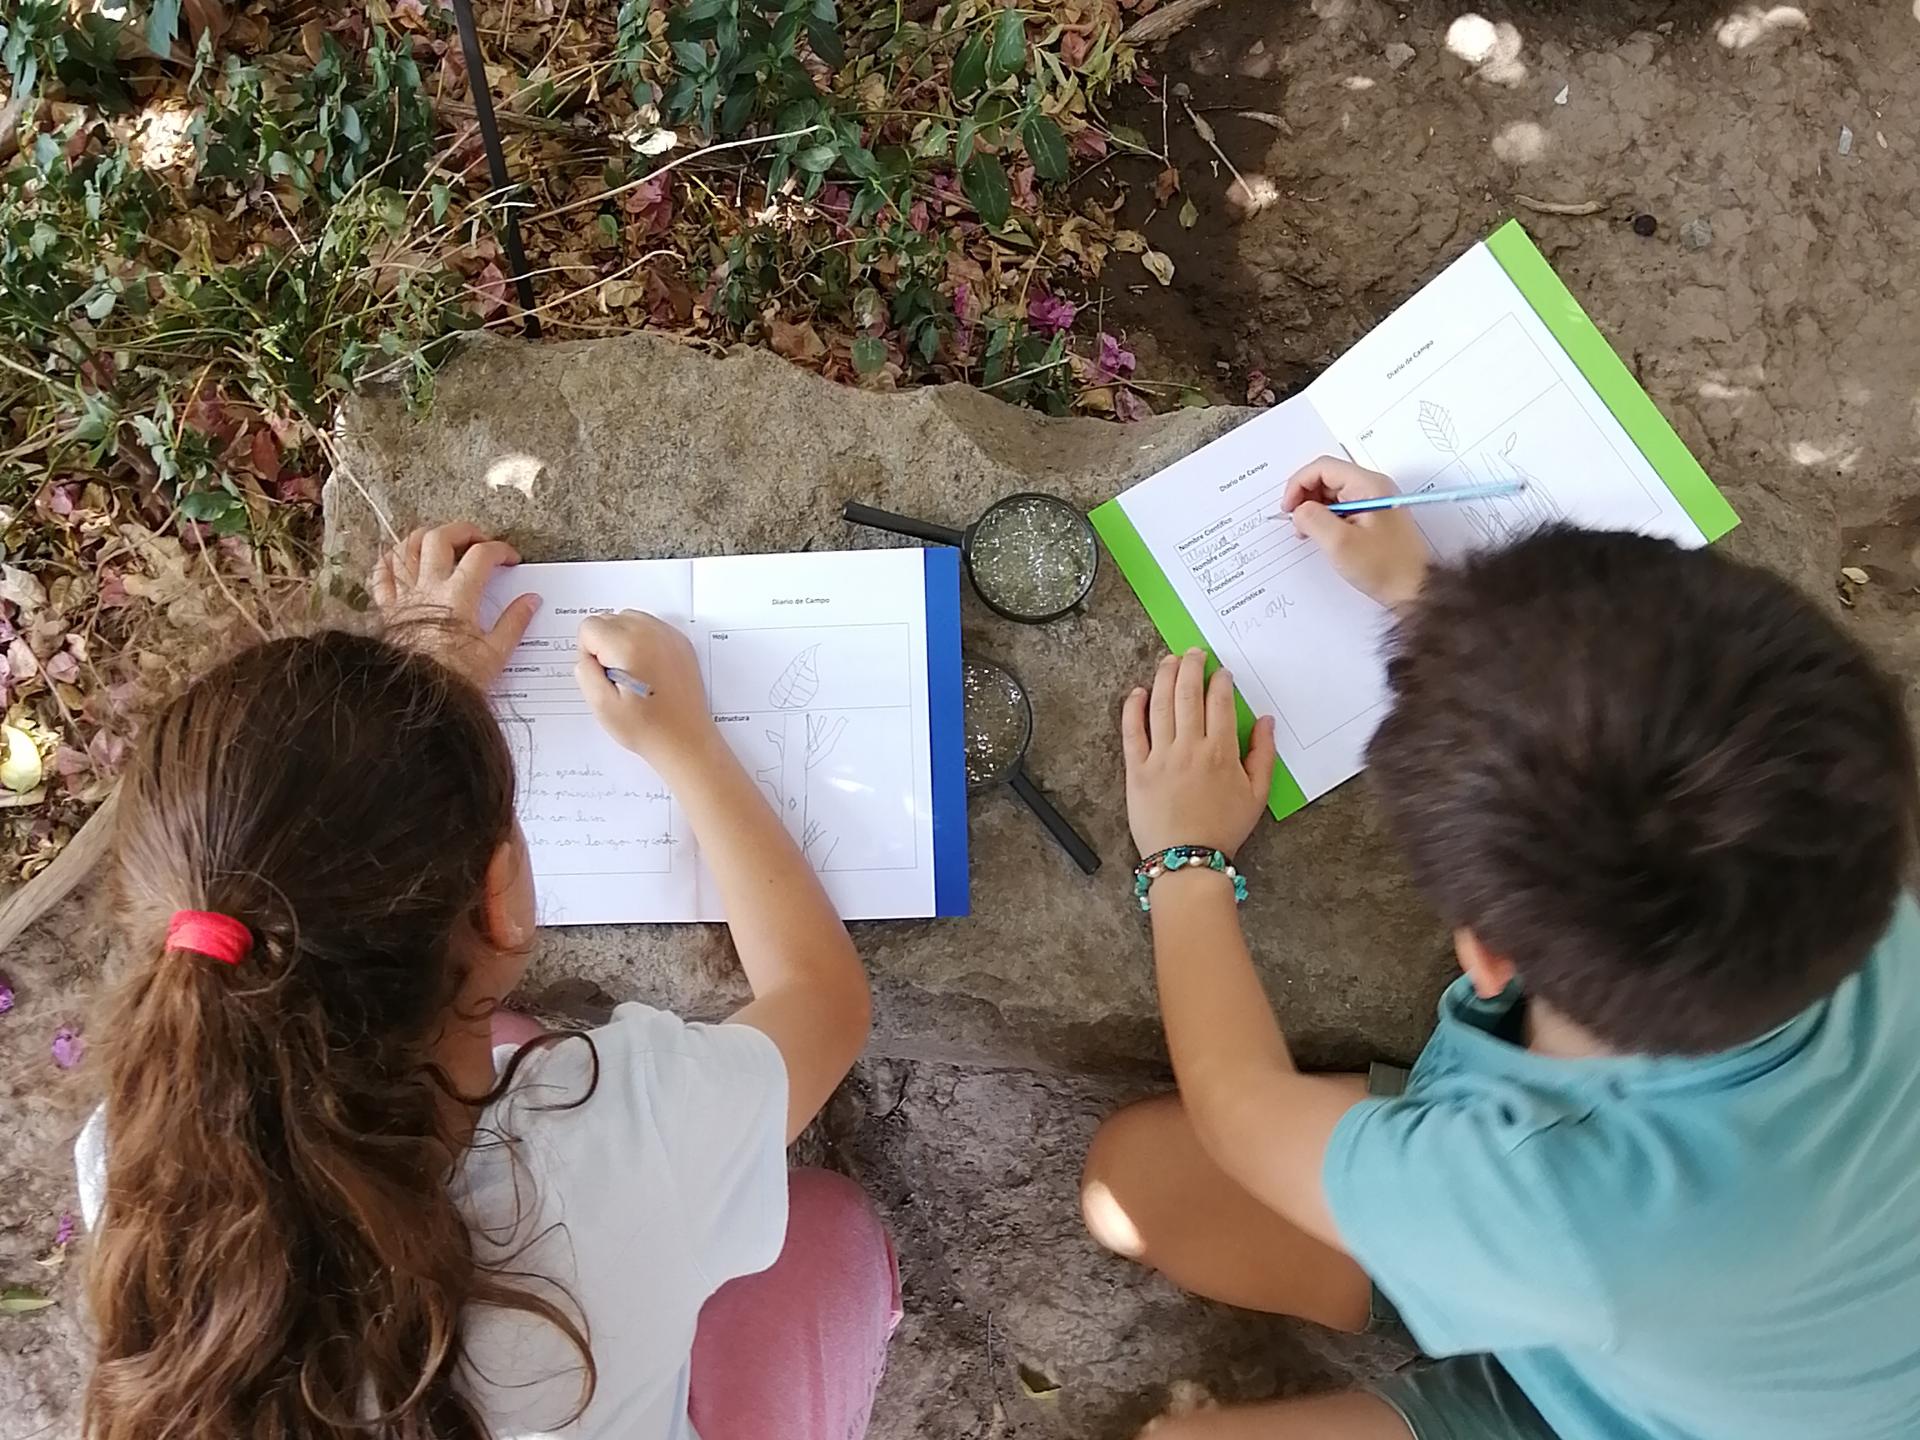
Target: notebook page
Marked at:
1464, 385
816, 667
1299, 641
608, 844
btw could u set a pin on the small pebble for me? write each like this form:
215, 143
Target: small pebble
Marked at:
1644, 224
1398, 55
1846, 139
1566, 93
1697, 234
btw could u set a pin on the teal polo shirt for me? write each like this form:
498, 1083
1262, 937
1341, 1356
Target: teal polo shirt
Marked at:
1720, 1247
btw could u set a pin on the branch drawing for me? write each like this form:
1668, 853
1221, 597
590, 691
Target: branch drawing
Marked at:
801, 743
1436, 423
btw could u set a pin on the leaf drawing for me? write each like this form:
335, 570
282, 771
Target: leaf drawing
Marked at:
1436, 423
798, 683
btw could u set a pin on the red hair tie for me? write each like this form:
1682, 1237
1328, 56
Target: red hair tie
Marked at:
207, 932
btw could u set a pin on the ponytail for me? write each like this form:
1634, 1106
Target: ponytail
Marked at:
278, 1256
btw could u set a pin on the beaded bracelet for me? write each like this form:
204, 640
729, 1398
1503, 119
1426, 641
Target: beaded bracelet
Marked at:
1179, 857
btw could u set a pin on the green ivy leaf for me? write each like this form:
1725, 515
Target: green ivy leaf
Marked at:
21, 1300
869, 354
816, 159
1009, 56
1046, 146
442, 199
970, 67
985, 183
163, 18
205, 505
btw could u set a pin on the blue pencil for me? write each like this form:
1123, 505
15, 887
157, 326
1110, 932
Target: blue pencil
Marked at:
1428, 497
627, 682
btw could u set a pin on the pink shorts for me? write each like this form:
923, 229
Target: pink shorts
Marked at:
796, 1352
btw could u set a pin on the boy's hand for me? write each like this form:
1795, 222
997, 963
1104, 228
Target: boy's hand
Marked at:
437, 576
1186, 783
669, 727
1382, 554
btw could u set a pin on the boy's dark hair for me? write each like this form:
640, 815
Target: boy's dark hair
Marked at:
1678, 797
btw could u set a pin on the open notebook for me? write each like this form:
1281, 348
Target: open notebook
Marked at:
834, 676
1492, 372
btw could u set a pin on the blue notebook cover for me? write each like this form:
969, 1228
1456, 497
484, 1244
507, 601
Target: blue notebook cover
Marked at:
946, 730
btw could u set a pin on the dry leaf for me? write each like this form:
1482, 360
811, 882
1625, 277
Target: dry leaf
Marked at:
1855, 574
1159, 266
799, 342
1189, 214
22, 769
1129, 242
1166, 185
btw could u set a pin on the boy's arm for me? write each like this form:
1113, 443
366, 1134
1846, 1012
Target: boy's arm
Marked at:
1258, 1118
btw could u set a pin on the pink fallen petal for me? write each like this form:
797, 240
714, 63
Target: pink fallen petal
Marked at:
63, 667
490, 285
63, 1233
1129, 406
1089, 144
69, 1047
1050, 314
6, 993
113, 591
918, 218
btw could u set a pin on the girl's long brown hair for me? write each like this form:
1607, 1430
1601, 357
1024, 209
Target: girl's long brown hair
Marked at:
278, 1257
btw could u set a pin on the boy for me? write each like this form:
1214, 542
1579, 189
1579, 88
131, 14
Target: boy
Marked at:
1657, 1174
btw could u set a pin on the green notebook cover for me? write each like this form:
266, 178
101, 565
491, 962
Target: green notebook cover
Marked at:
1602, 369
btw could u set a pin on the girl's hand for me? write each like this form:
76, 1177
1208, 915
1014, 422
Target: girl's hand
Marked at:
670, 727
1382, 554
438, 576
1186, 782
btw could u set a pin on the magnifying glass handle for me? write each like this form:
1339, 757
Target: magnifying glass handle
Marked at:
900, 524
1055, 822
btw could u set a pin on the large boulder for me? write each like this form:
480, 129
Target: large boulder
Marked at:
640, 446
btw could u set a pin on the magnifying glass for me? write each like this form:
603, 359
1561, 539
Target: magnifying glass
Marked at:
1031, 557
999, 729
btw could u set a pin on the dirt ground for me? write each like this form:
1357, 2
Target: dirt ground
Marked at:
1773, 311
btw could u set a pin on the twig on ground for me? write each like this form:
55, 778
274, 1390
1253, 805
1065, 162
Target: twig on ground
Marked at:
1169, 20
672, 164
29, 902
1560, 207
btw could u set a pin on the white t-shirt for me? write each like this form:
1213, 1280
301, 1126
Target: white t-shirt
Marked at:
627, 1211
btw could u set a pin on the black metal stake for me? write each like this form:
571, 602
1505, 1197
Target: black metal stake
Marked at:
496, 158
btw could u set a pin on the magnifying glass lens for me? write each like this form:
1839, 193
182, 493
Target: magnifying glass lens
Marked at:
999, 722
1032, 555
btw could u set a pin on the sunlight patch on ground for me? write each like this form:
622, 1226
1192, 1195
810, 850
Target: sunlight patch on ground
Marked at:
1805, 452
1521, 142
1251, 194
160, 137
1746, 28
515, 472
1493, 49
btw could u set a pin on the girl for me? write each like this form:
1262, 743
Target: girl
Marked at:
325, 1205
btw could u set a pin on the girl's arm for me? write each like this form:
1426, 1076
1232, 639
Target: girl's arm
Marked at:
810, 992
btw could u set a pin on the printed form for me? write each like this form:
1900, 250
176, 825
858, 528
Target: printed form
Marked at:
1462, 385
815, 669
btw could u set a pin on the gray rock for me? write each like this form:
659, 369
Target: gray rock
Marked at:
1697, 234
1398, 55
639, 446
